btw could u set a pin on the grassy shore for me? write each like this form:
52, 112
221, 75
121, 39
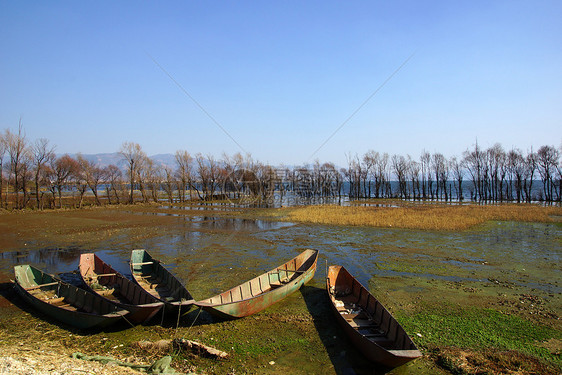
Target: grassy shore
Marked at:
431, 216
469, 303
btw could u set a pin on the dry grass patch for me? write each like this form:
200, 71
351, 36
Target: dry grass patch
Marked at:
491, 362
421, 216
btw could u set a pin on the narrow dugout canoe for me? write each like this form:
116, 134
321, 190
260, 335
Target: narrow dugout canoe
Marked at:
65, 302
263, 291
103, 280
368, 325
153, 277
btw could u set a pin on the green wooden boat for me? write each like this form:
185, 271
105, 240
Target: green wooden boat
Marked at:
65, 302
153, 277
263, 291
105, 281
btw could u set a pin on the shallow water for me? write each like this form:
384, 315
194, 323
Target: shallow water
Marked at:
211, 254
216, 253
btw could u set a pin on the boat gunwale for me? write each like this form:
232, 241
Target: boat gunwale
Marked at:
313, 253
124, 305
388, 357
102, 320
176, 303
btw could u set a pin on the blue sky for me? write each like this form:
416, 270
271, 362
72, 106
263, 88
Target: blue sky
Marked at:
281, 77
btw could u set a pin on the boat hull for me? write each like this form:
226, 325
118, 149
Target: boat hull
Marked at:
100, 278
264, 290
68, 304
153, 277
366, 322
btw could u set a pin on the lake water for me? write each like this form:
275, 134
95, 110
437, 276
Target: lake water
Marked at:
216, 253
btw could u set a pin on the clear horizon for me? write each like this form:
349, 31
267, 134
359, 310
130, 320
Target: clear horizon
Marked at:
279, 80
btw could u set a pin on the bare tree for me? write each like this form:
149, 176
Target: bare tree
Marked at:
207, 169
370, 159
400, 168
222, 178
444, 177
144, 176
354, 176
26, 176
235, 170
547, 161
425, 159
414, 169
515, 168
63, 168
529, 173
3, 147
496, 158
302, 181
169, 183
80, 181
184, 173
93, 174
487, 176
457, 168
316, 179
474, 162
381, 179
329, 180
17, 148
115, 179
438, 164
42, 154
264, 187
559, 174
153, 177
133, 155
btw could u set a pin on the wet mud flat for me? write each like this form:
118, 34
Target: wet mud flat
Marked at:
490, 295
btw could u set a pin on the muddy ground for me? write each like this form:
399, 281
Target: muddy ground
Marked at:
486, 299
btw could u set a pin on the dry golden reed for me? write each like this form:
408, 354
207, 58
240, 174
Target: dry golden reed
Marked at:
431, 216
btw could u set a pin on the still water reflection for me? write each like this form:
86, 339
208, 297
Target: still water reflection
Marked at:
216, 253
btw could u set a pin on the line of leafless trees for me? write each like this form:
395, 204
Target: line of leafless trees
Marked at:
33, 176
485, 175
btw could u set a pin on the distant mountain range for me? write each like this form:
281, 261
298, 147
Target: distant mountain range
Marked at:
103, 160
115, 158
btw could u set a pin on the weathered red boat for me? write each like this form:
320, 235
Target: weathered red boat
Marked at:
153, 277
263, 291
65, 302
366, 322
102, 279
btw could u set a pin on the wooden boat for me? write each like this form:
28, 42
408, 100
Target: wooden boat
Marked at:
102, 279
65, 302
369, 326
263, 291
153, 277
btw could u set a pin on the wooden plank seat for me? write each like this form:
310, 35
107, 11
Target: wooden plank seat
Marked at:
362, 323
106, 274
287, 278
141, 264
42, 285
355, 315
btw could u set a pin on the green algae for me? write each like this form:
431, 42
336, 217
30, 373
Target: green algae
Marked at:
501, 276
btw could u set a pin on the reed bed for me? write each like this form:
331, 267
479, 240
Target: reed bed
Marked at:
431, 216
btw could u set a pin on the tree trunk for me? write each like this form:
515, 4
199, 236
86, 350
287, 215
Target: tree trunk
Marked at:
36, 189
